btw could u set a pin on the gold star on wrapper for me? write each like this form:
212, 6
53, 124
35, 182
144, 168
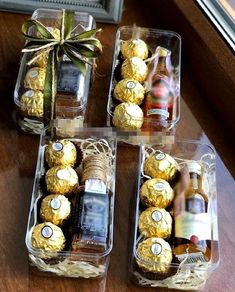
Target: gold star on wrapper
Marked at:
134, 68
61, 179
161, 165
55, 209
48, 237
128, 116
154, 255
31, 103
129, 90
156, 192
61, 152
35, 78
155, 222
134, 48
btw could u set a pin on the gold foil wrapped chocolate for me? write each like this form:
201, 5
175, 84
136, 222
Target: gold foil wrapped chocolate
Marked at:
35, 78
61, 152
134, 68
161, 165
40, 58
156, 192
154, 255
31, 103
48, 237
129, 90
61, 179
134, 48
155, 222
128, 116
55, 209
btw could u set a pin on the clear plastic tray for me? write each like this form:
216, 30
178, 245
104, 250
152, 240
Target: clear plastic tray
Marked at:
184, 275
153, 38
72, 93
69, 263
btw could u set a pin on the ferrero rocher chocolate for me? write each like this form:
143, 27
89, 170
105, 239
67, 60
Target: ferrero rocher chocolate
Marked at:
48, 237
55, 209
31, 103
35, 78
128, 116
129, 90
134, 68
61, 179
134, 48
61, 152
155, 222
154, 255
156, 192
161, 165
40, 58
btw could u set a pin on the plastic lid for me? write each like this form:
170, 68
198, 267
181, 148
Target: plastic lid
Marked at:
194, 166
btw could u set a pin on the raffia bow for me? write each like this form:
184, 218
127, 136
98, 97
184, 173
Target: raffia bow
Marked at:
80, 48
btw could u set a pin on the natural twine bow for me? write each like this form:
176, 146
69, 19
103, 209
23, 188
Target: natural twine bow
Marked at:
80, 48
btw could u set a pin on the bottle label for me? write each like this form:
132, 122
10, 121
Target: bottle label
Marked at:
63, 174
160, 156
156, 248
159, 186
191, 258
156, 216
55, 203
156, 111
194, 227
130, 85
57, 146
29, 93
47, 232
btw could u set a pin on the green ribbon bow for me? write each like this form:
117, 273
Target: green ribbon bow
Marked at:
80, 48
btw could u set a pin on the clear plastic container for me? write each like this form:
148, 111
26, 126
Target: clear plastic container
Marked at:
72, 88
84, 263
184, 275
153, 38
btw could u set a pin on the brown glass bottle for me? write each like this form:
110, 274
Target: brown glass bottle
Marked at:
192, 220
158, 107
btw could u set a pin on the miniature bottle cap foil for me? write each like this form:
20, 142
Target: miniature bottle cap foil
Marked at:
134, 48
55, 209
61, 179
35, 78
134, 68
41, 58
156, 192
155, 222
154, 255
128, 116
61, 152
31, 103
48, 237
129, 90
160, 165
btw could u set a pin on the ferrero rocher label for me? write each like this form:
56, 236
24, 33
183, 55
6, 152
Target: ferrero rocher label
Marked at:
156, 192
31, 103
154, 255
61, 179
48, 237
155, 222
55, 209
61, 152
134, 48
128, 116
41, 58
161, 165
129, 90
35, 78
134, 68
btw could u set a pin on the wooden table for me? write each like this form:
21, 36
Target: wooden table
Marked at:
18, 158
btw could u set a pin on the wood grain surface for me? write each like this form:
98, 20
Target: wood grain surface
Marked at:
18, 154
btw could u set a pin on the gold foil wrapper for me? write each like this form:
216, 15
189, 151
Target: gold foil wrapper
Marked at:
154, 255
41, 59
155, 222
61, 152
61, 179
156, 192
134, 68
55, 209
35, 78
31, 103
128, 116
48, 237
129, 90
134, 48
161, 165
